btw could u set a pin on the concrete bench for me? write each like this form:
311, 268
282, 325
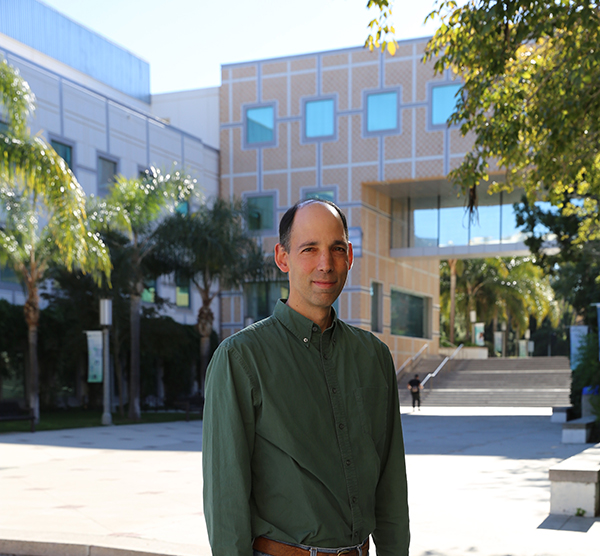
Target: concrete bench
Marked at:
575, 484
561, 414
578, 431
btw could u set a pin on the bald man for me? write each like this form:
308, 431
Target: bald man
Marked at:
302, 443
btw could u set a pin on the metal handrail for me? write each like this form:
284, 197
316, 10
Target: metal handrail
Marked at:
441, 366
411, 360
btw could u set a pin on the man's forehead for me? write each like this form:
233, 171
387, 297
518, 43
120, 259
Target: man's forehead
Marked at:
314, 218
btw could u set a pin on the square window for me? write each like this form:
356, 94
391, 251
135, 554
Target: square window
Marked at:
8, 275
183, 208
382, 111
260, 211
319, 118
376, 307
107, 170
64, 151
443, 103
3, 127
260, 125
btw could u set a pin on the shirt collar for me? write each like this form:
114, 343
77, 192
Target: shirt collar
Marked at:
300, 326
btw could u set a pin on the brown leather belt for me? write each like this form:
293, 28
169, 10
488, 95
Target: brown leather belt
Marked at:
276, 548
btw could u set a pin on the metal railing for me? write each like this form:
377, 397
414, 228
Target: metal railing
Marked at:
410, 361
440, 367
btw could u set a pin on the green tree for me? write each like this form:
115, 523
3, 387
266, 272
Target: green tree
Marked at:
210, 247
529, 97
43, 212
134, 208
499, 290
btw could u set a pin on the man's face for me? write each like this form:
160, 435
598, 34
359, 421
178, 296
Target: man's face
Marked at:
318, 260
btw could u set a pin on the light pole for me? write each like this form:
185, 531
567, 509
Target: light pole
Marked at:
105, 323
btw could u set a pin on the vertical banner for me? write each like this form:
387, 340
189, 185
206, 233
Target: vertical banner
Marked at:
94, 340
577, 333
479, 333
523, 348
498, 337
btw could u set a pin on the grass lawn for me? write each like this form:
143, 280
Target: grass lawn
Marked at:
80, 418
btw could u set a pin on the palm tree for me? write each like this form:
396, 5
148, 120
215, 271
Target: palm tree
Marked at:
43, 212
134, 208
210, 247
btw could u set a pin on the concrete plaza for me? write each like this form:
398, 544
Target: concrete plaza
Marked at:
478, 481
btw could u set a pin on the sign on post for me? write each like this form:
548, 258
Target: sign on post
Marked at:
94, 340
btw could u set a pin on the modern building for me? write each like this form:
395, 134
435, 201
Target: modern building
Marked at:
94, 106
364, 129
368, 131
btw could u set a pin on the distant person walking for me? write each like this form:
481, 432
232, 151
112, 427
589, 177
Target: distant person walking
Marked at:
415, 387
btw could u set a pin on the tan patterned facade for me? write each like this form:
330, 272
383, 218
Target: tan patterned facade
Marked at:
354, 165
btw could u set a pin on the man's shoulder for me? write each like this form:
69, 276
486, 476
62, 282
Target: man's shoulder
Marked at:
252, 335
360, 334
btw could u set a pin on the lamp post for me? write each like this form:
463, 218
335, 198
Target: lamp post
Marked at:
105, 323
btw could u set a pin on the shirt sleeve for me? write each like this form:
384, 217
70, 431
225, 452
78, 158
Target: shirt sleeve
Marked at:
392, 535
227, 446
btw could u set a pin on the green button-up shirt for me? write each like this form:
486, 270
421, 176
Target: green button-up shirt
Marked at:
302, 440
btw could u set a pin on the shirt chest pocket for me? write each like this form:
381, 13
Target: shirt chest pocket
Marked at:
372, 405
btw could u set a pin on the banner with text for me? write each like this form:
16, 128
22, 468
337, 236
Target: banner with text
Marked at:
94, 341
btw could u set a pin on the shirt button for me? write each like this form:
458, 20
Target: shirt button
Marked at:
354, 499
341, 425
305, 340
348, 462
334, 390
315, 328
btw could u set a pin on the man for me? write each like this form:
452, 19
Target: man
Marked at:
415, 387
303, 452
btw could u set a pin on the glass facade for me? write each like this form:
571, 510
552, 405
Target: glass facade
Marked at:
8, 275
260, 212
409, 315
260, 125
64, 151
319, 118
107, 170
442, 221
260, 298
382, 111
443, 103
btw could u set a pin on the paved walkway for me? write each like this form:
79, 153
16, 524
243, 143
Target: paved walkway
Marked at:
478, 482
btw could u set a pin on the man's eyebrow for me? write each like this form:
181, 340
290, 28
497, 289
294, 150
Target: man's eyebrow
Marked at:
312, 243
307, 244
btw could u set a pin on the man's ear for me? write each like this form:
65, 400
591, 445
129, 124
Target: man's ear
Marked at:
281, 258
350, 256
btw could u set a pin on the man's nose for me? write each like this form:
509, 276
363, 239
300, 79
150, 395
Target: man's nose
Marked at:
325, 261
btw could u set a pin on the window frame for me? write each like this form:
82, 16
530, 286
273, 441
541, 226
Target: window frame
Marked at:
427, 312
320, 138
258, 144
434, 85
178, 286
270, 193
397, 130
109, 158
304, 191
66, 143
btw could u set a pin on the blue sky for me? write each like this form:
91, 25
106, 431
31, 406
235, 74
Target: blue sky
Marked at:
186, 41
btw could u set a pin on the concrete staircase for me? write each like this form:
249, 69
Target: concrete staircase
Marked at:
497, 382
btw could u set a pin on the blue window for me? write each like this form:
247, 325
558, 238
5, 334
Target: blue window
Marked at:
107, 170
149, 293
321, 194
260, 212
64, 151
382, 111
319, 118
182, 291
260, 125
443, 103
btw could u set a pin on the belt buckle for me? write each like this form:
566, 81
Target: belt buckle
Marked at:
346, 551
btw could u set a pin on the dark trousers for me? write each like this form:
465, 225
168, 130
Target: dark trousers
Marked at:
416, 396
